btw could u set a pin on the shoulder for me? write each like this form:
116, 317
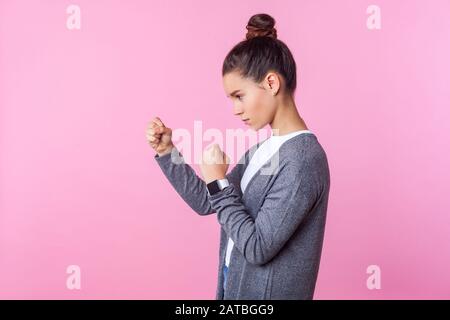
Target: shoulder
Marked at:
302, 149
305, 154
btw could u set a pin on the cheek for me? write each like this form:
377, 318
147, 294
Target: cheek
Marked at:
261, 106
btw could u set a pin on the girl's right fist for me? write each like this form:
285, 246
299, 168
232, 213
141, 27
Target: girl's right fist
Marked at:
159, 136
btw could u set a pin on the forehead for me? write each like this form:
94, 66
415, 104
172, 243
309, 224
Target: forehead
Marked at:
234, 81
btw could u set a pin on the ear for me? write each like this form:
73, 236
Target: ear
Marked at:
272, 83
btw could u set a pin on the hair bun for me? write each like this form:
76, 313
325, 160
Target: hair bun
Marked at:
261, 25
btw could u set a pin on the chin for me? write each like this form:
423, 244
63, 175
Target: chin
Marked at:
256, 127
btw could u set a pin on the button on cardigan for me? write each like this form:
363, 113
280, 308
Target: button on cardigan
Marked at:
277, 226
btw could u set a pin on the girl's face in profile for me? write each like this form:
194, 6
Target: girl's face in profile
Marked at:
251, 100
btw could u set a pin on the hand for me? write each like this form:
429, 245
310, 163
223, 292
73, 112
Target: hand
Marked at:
159, 136
214, 163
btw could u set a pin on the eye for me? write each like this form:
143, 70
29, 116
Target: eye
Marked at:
238, 96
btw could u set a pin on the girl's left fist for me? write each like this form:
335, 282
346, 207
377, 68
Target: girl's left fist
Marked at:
214, 163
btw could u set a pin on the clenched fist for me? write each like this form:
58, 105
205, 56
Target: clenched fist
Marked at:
214, 163
159, 136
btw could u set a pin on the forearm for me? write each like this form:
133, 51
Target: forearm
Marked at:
185, 181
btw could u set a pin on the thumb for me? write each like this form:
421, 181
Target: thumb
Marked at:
226, 158
162, 130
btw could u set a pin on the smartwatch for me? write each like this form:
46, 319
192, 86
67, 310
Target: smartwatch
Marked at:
217, 185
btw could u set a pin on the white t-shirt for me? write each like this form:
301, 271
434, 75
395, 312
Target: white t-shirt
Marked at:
262, 154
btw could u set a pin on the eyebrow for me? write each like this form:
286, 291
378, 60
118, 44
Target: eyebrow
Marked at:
234, 92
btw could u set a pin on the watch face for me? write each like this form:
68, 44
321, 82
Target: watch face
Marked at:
213, 187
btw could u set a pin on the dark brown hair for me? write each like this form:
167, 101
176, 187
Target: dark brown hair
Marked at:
262, 52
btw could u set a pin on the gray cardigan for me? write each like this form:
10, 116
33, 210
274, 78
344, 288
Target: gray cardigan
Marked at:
277, 226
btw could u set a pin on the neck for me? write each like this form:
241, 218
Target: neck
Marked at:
287, 119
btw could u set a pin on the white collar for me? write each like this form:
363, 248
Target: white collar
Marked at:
288, 135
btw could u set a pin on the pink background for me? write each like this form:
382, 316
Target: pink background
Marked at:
79, 185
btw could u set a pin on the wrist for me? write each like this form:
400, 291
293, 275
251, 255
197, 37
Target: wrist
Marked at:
218, 177
216, 186
165, 151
